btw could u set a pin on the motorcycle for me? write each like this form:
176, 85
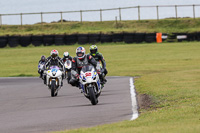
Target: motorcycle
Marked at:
68, 66
54, 80
41, 69
90, 83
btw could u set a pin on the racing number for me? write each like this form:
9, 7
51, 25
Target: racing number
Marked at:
88, 74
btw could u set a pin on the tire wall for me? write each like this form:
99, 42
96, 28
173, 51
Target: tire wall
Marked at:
3, 41
83, 38
13, 41
37, 40
70, 39
59, 40
25, 40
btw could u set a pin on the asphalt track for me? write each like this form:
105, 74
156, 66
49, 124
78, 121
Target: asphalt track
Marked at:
27, 107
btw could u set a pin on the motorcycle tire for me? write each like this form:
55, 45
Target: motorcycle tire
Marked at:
53, 88
92, 95
68, 76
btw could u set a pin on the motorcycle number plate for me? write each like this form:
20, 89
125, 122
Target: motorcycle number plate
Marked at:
88, 74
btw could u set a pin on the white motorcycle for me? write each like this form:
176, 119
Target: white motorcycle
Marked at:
68, 66
54, 79
90, 83
41, 69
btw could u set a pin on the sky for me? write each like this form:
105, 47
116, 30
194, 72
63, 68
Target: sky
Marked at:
26, 6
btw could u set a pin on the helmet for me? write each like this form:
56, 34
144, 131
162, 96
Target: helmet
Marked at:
93, 50
43, 58
80, 52
66, 54
54, 53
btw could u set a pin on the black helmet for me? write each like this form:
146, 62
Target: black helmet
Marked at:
43, 58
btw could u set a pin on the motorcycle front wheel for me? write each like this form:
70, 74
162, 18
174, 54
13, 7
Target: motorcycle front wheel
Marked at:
92, 95
53, 88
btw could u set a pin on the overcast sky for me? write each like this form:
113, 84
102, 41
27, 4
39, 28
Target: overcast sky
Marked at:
22, 6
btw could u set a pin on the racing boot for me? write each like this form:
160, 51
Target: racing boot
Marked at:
40, 76
103, 78
102, 83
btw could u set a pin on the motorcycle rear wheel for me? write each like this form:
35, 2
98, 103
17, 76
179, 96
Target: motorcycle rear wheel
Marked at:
68, 76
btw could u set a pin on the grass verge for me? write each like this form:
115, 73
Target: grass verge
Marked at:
169, 73
164, 26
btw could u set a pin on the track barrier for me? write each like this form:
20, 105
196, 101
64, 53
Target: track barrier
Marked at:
70, 39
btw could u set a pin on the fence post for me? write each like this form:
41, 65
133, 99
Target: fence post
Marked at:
21, 19
120, 17
41, 18
176, 11
138, 12
194, 11
81, 16
100, 15
61, 17
0, 20
157, 12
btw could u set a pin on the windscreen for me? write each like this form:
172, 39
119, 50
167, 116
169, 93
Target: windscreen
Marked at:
87, 68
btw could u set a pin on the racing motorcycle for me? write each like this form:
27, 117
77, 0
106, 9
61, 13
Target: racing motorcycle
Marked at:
41, 69
68, 66
54, 80
90, 83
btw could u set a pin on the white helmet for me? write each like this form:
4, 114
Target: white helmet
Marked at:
66, 54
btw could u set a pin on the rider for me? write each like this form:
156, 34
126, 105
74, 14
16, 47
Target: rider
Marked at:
54, 60
78, 62
66, 57
41, 61
99, 58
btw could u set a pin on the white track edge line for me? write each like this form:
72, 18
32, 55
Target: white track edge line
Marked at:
133, 100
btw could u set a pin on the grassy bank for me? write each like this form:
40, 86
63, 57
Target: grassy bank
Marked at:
165, 26
168, 72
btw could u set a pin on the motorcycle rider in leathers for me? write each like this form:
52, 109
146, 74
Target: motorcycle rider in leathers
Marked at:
41, 61
99, 58
66, 57
78, 62
54, 60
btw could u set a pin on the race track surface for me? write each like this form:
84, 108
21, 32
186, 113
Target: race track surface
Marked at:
27, 107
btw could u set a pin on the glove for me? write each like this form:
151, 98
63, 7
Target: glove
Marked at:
77, 76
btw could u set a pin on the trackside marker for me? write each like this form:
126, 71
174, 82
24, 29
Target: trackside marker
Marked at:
134, 101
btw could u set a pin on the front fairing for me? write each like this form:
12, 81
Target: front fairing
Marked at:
54, 72
41, 66
89, 77
68, 64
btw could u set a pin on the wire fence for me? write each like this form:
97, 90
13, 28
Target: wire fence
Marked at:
115, 16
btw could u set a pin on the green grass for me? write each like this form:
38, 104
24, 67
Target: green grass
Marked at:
164, 25
168, 72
